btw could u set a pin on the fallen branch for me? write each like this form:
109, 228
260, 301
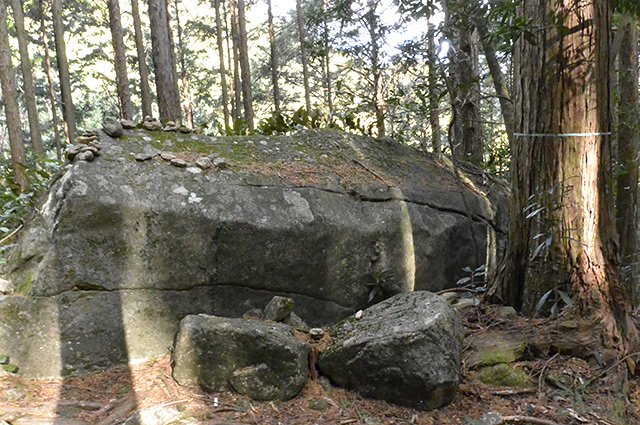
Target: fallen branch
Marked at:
515, 392
519, 419
10, 235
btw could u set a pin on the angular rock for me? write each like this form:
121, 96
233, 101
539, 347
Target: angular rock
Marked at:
405, 350
296, 322
5, 286
177, 162
171, 126
316, 333
112, 127
261, 360
203, 163
279, 308
220, 163
87, 156
85, 140
150, 238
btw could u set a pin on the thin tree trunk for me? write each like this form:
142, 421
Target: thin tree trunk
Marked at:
434, 98
376, 69
303, 55
27, 76
164, 62
49, 72
327, 54
466, 131
145, 90
628, 140
223, 72
506, 104
120, 60
247, 96
10, 100
186, 93
274, 60
68, 109
235, 38
562, 234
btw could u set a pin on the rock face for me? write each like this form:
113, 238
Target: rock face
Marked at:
119, 250
261, 360
405, 350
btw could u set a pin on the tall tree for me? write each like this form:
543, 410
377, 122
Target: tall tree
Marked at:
245, 70
10, 100
186, 93
273, 60
68, 109
234, 56
434, 98
372, 21
164, 62
120, 60
145, 90
465, 127
223, 73
628, 141
562, 234
27, 78
49, 72
327, 55
303, 54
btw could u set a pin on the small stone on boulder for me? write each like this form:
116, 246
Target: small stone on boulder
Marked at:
257, 359
279, 308
127, 124
167, 156
85, 139
171, 126
405, 350
203, 163
152, 125
5, 286
87, 156
112, 127
220, 163
177, 162
316, 333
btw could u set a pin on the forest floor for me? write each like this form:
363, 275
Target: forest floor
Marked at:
592, 395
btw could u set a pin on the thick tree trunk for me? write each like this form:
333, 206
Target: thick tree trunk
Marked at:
628, 140
303, 54
145, 90
120, 60
10, 100
186, 93
273, 60
504, 97
245, 70
27, 77
223, 72
466, 130
49, 72
68, 109
235, 39
562, 233
434, 98
164, 62
376, 68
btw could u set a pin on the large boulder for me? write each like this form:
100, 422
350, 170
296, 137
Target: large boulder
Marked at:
261, 360
121, 248
405, 350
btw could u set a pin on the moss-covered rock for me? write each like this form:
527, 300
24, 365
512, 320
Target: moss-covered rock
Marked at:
504, 375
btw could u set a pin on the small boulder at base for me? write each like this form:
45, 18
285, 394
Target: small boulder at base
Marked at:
112, 127
405, 350
261, 360
279, 308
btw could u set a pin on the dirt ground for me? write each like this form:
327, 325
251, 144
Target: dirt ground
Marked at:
592, 395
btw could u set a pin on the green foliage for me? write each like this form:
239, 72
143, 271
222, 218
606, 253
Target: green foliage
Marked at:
8, 367
14, 203
383, 286
281, 123
556, 298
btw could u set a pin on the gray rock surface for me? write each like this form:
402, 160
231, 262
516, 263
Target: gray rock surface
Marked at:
321, 217
261, 360
405, 350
